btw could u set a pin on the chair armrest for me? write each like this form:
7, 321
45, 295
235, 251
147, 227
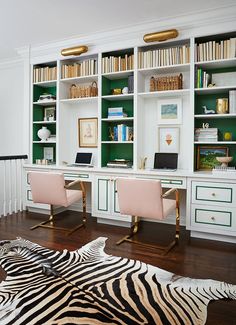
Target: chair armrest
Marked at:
77, 181
170, 191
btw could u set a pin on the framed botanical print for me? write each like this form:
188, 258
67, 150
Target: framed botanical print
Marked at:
88, 132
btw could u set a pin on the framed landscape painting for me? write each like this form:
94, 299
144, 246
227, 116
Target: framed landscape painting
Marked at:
170, 111
206, 157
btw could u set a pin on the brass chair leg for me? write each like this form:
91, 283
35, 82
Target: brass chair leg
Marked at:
164, 249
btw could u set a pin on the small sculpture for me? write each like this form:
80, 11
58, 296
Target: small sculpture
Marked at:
208, 111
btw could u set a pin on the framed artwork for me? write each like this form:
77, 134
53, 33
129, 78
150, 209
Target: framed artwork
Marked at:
169, 111
88, 132
169, 139
50, 113
206, 157
48, 153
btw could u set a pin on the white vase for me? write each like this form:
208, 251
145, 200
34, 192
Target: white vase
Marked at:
44, 133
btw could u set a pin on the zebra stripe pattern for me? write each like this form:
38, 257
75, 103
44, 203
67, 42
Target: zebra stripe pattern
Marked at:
87, 286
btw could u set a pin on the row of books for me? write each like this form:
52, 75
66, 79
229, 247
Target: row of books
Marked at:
116, 112
164, 57
215, 50
115, 64
120, 163
232, 101
79, 69
203, 79
206, 134
41, 74
123, 132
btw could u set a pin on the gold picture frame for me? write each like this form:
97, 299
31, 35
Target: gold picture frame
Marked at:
88, 132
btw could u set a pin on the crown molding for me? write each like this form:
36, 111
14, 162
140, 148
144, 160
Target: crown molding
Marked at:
190, 25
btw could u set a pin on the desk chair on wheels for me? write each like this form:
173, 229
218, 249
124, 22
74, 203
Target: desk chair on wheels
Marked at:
49, 188
144, 198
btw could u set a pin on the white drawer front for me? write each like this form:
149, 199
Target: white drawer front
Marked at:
214, 219
213, 193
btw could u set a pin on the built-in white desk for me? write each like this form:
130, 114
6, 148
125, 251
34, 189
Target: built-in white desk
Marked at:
208, 201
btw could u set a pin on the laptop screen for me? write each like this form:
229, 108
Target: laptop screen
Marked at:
164, 160
83, 158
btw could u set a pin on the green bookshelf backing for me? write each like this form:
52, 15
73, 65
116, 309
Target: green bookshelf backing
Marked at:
111, 151
208, 100
108, 85
126, 104
119, 53
38, 150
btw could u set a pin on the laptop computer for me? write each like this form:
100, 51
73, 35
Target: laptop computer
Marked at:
83, 159
165, 161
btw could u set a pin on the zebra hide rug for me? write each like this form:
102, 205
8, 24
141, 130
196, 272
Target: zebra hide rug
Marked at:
88, 286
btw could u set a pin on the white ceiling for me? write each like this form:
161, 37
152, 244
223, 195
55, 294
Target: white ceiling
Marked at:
24, 22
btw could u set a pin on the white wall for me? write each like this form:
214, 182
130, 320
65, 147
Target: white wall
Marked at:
11, 114
11, 108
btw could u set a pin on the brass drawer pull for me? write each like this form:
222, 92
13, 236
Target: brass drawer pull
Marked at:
213, 194
213, 218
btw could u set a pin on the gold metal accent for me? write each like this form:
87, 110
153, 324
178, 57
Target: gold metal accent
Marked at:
222, 106
135, 228
160, 36
77, 50
51, 217
213, 218
213, 194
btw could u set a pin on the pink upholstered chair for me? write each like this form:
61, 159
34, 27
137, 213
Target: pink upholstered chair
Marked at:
144, 198
49, 188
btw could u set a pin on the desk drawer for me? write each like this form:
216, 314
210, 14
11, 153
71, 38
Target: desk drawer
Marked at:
73, 177
215, 218
213, 193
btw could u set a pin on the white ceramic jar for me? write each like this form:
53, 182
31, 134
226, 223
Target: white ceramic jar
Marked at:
44, 133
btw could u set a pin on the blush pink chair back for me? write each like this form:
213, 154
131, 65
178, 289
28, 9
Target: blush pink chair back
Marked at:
143, 198
49, 188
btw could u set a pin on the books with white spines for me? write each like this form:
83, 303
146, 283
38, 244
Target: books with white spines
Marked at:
116, 115
115, 109
232, 101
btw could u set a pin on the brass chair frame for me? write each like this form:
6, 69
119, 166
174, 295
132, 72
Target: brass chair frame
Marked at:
51, 218
135, 228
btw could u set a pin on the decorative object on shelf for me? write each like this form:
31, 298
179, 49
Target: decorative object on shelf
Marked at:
205, 125
88, 132
78, 91
44, 133
120, 163
211, 85
222, 106
227, 136
125, 90
45, 97
169, 111
116, 91
143, 163
224, 161
111, 134
207, 111
206, 157
76, 50
49, 113
48, 154
160, 36
169, 139
42, 161
174, 82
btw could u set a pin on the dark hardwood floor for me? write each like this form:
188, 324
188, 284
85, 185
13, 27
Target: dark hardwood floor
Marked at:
192, 257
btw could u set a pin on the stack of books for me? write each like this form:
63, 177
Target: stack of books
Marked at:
232, 101
206, 135
123, 132
120, 163
116, 112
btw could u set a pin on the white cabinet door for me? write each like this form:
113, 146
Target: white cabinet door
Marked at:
102, 195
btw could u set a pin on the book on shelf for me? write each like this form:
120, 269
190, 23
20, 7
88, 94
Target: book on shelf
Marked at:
232, 101
79, 69
216, 50
123, 132
41, 74
203, 79
206, 134
116, 112
120, 163
117, 63
164, 57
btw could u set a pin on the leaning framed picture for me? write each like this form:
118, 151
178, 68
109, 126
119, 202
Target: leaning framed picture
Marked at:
88, 132
169, 111
168, 139
206, 156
